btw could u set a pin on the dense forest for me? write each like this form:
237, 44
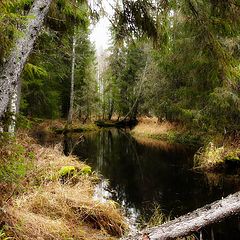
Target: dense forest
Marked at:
177, 60
172, 69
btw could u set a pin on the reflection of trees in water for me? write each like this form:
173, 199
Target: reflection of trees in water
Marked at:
141, 174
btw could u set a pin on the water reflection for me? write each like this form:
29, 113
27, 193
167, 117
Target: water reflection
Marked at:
141, 175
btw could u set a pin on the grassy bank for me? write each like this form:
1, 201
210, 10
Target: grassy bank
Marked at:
46, 195
50, 132
172, 133
219, 157
218, 153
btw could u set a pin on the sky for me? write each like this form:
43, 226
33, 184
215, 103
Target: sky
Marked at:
100, 35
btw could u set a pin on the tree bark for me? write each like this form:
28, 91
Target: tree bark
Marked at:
143, 79
194, 221
13, 110
10, 73
70, 113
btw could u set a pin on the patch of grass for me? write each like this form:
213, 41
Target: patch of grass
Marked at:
158, 217
213, 157
166, 131
3, 235
51, 209
16, 159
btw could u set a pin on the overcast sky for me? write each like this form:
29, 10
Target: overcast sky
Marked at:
100, 35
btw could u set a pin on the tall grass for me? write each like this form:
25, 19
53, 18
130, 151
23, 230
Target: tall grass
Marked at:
46, 207
212, 156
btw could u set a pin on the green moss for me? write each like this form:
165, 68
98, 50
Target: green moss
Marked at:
86, 170
67, 171
71, 171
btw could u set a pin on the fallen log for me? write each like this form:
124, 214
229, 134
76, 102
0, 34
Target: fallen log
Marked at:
116, 124
193, 221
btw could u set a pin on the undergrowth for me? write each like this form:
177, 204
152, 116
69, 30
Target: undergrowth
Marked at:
212, 156
46, 195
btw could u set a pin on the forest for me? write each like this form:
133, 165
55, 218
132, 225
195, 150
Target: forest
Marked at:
159, 107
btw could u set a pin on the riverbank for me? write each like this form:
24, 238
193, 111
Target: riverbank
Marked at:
215, 153
46, 195
166, 131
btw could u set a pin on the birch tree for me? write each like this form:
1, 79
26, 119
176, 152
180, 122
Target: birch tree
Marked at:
13, 66
70, 113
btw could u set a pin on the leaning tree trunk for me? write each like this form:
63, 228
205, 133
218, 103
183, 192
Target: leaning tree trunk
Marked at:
135, 104
194, 221
10, 73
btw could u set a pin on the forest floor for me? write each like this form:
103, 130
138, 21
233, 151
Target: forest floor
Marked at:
214, 154
46, 195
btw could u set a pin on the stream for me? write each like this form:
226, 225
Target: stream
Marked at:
149, 177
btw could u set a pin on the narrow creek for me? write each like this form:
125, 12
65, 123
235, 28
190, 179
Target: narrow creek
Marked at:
145, 176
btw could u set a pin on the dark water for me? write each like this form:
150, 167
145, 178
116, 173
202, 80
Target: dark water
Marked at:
142, 176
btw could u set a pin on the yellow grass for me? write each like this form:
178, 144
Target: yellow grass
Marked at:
150, 126
49, 209
212, 156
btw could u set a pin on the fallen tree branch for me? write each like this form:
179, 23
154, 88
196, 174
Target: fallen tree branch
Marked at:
194, 221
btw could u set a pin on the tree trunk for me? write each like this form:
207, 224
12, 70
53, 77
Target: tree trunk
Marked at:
10, 74
70, 113
111, 108
13, 111
14, 107
142, 81
194, 221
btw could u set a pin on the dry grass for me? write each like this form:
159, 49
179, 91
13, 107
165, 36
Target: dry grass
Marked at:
48, 209
211, 157
150, 126
154, 143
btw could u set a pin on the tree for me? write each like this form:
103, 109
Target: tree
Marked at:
13, 66
194, 56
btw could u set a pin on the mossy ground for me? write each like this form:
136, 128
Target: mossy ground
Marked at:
36, 204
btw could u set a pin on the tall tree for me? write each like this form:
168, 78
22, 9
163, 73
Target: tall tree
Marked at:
13, 66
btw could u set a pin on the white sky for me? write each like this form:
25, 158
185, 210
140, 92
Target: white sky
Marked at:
100, 35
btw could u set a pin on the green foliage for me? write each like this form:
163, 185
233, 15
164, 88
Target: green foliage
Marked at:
11, 17
15, 161
193, 76
121, 77
46, 77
